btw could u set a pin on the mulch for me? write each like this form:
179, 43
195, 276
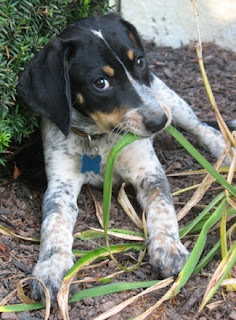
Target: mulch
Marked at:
21, 198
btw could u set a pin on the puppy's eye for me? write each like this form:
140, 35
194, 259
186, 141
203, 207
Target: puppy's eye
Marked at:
102, 84
140, 63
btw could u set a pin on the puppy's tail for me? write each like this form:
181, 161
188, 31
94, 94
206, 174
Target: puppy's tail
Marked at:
230, 123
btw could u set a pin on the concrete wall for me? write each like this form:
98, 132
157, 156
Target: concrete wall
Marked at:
172, 23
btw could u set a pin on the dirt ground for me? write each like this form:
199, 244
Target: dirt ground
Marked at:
21, 198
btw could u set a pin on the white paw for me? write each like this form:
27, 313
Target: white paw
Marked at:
51, 271
167, 255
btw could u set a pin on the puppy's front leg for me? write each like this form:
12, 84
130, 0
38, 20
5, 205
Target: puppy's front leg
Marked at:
59, 215
55, 257
139, 165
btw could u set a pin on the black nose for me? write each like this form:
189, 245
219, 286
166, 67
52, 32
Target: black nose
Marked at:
155, 123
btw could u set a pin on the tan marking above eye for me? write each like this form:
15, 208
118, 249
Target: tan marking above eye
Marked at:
80, 98
108, 70
130, 54
132, 37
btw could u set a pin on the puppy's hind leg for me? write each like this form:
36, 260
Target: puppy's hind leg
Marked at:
184, 117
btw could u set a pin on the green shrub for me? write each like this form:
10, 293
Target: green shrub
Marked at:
25, 27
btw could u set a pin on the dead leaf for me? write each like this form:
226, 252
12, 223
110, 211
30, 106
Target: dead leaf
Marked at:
16, 172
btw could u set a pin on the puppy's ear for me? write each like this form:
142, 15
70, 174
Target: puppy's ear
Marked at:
44, 85
133, 33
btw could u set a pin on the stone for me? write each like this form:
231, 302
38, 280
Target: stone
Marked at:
232, 315
107, 305
8, 316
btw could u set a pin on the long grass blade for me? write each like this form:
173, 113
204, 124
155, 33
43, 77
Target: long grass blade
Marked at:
190, 265
211, 253
107, 189
62, 296
20, 307
121, 306
111, 288
86, 293
185, 230
99, 253
202, 189
197, 156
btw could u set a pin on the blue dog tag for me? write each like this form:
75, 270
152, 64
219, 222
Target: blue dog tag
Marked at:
90, 164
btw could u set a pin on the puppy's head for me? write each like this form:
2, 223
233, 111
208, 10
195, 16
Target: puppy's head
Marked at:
97, 66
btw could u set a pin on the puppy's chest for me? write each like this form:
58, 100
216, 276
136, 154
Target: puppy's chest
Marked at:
91, 156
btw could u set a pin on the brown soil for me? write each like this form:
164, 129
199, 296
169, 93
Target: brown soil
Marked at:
21, 198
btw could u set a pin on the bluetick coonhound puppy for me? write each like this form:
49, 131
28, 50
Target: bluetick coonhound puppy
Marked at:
94, 79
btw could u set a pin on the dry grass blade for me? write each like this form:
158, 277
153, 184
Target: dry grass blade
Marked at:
196, 172
98, 207
25, 299
62, 296
62, 299
20, 292
120, 235
12, 234
204, 186
190, 265
232, 230
228, 282
195, 186
85, 280
223, 227
121, 306
214, 305
8, 298
230, 178
115, 274
96, 265
219, 275
219, 223
128, 208
223, 127
166, 296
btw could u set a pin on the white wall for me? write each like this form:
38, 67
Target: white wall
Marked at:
172, 23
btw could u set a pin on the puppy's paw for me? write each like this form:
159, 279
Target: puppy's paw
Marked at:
167, 255
51, 272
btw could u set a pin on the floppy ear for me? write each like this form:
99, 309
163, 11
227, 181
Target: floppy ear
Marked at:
133, 33
44, 85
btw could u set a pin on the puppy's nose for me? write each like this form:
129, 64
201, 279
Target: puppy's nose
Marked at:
156, 123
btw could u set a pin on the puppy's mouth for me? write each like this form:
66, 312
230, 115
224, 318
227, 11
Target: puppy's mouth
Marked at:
140, 121
145, 123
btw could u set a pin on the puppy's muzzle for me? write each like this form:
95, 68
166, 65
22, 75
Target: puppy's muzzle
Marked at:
151, 115
146, 122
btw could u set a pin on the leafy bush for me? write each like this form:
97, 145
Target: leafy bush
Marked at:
25, 27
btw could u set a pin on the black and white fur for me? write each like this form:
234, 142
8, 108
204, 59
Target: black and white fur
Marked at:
94, 77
